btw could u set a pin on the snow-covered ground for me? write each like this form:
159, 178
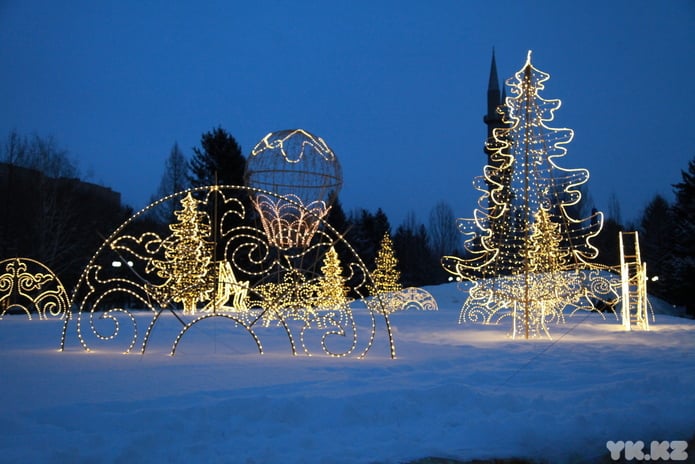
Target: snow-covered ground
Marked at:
456, 391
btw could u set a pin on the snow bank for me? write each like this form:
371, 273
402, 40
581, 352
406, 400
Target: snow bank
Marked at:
459, 391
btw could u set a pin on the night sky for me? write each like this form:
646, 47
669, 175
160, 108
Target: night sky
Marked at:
396, 88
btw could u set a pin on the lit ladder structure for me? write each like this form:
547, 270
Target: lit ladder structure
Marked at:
633, 276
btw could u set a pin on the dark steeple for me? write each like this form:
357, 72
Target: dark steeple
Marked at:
493, 87
493, 119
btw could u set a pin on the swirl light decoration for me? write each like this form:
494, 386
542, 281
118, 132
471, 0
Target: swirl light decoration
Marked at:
306, 177
526, 253
29, 286
318, 301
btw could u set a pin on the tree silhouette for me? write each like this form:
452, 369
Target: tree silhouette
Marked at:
218, 160
443, 234
174, 179
657, 238
684, 239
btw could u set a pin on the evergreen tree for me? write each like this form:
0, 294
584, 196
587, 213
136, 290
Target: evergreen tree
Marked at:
684, 240
366, 231
607, 242
419, 266
218, 160
336, 217
656, 236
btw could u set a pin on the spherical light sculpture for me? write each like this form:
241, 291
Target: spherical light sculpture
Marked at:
304, 171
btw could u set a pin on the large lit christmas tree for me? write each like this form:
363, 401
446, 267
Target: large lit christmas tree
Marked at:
524, 247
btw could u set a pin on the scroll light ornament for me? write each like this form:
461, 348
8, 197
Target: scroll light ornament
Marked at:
305, 174
30, 286
527, 257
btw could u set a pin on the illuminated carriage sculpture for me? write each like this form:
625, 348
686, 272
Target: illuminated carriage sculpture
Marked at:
255, 284
276, 267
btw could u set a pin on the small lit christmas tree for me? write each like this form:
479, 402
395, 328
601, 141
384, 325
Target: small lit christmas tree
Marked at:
386, 276
544, 250
188, 255
331, 291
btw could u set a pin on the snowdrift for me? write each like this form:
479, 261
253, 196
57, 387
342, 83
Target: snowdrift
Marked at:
457, 391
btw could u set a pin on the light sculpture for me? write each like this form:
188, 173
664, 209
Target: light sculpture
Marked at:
254, 283
527, 255
29, 286
305, 176
389, 295
386, 274
188, 253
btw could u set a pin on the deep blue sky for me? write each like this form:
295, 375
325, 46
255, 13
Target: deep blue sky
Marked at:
396, 88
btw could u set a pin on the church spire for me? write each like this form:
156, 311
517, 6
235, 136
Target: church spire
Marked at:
494, 83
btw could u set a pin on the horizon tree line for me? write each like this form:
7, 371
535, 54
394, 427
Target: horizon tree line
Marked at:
666, 230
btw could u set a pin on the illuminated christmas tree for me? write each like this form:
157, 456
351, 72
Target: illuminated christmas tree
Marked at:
544, 250
523, 240
386, 276
331, 291
188, 255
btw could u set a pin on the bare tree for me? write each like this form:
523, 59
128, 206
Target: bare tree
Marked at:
443, 234
174, 179
40, 153
46, 212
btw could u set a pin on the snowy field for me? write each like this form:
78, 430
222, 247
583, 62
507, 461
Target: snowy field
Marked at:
455, 391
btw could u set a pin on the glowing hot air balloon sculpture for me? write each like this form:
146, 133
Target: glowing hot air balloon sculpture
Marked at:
305, 173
